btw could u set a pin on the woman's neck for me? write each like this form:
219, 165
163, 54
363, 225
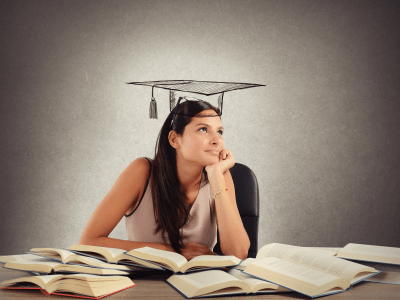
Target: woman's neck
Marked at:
189, 175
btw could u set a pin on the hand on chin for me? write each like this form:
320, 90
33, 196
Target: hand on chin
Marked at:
224, 162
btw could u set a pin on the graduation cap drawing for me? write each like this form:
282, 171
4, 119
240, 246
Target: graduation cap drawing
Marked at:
207, 88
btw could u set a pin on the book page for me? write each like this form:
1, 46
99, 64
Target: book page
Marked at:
59, 254
18, 257
371, 253
325, 263
278, 250
335, 250
299, 278
114, 251
70, 268
157, 255
41, 280
232, 258
65, 254
293, 270
35, 261
226, 292
206, 278
244, 263
94, 262
255, 284
273, 250
106, 253
209, 261
206, 282
386, 277
133, 261
89, 287
92, 277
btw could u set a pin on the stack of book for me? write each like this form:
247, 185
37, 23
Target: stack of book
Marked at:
96, 272
313, 272
64, 272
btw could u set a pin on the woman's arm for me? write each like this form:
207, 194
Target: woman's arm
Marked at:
124, 194
232, 235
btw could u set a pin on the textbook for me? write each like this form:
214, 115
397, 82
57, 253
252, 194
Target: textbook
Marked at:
212, 283
112, 255
69, 257
16, 257
43, 265
76, 285
278, 249
178, 263
386, 277
379, 254
310, 272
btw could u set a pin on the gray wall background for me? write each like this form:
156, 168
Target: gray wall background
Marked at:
322, 137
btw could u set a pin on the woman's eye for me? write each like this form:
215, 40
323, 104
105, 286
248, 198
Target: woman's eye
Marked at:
220, 132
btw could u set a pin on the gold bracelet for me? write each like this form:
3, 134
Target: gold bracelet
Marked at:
218, 193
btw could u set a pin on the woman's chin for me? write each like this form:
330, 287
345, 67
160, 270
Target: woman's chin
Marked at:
211, 161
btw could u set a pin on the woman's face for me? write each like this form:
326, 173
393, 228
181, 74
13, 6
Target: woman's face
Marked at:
202, 139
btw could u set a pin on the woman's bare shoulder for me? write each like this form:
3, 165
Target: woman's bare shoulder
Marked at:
137, 174
138, 170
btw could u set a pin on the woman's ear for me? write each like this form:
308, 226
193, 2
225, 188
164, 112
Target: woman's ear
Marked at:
173, 139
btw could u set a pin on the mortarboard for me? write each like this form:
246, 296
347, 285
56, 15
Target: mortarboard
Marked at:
206, 88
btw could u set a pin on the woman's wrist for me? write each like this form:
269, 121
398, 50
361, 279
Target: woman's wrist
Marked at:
213, 171
219, 192
217, 183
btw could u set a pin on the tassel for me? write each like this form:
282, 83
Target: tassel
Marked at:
220, 102
172, 100
153, 105
153, 109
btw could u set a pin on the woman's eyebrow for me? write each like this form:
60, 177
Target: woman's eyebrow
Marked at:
208, 125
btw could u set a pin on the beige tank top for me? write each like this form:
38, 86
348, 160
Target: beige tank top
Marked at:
201, 227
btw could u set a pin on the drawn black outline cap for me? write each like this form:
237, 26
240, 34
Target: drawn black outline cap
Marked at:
206, 88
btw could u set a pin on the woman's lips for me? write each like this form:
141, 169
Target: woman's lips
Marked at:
213, 152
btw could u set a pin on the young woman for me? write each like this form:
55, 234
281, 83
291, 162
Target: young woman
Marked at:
176, 201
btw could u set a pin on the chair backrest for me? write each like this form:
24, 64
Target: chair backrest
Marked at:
248, 202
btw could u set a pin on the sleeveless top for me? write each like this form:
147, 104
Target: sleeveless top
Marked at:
200, 228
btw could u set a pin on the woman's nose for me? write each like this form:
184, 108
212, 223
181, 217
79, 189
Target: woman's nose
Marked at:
215, 138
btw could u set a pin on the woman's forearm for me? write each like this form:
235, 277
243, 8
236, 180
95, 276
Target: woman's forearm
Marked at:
122, 244
233, 237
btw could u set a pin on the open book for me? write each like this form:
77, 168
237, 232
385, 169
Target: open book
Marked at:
386, 277
76, 285
311, 272
178, 263
278, 249
44, 265
217, 283
112, 255
379, 254
17, 257
69, 257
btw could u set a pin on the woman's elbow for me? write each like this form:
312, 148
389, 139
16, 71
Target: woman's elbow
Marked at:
241, 251
244, 251
85, 239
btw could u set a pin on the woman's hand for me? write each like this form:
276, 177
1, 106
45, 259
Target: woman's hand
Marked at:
192, 250
226, 161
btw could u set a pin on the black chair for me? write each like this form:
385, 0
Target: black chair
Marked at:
248, 202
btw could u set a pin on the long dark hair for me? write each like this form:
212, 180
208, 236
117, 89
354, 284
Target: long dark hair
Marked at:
171, 210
